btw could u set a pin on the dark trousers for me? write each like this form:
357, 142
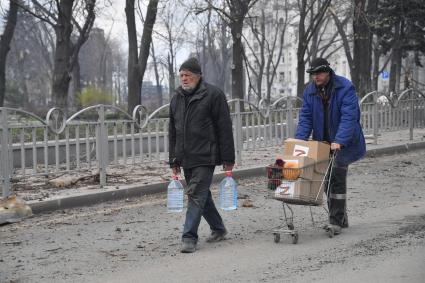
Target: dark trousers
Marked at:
337, 195
200, 202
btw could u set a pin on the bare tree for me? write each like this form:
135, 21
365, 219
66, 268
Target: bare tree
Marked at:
346, 39
327, 40
268, 31
64, 16
362, 46
119, 73
234, 13
5, 40
156, 71
171, 32
172, 40
137, 60
30, 64
212, 48
310, 16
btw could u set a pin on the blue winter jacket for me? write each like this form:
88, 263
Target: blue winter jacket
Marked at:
343, 116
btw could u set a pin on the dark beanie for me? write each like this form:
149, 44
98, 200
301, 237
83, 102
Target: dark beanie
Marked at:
191, 65
319, 65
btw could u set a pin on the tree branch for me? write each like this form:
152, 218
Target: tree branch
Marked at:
28, 10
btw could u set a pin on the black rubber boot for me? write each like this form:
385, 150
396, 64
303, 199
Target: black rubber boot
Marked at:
337, 197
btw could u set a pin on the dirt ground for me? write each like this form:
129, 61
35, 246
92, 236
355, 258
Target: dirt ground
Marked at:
138, 241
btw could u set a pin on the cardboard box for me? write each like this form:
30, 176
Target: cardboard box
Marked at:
304, 163
318, 151
300, 192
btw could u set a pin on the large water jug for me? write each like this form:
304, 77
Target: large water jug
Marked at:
175, 195
228, 192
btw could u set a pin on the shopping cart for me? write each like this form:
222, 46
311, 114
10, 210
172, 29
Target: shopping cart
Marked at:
278, 175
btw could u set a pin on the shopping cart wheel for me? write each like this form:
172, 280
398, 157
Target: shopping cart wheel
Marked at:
295, 238
276, 237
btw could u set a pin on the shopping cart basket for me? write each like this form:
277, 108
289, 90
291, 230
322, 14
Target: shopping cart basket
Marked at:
278, 176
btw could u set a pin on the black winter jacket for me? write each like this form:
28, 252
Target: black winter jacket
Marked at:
201, 133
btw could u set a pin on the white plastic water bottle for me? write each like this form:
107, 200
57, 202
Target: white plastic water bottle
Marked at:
175, 195
228, 192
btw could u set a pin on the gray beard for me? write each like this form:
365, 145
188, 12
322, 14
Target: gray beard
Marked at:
188, 88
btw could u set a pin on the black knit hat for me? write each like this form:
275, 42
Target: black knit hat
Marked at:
319, 65
191, 65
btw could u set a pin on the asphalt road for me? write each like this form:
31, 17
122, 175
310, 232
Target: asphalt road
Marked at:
138, 241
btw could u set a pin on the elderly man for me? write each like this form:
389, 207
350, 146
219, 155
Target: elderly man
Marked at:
331, 111
200, 137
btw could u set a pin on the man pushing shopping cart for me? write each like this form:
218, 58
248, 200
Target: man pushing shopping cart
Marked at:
331, 112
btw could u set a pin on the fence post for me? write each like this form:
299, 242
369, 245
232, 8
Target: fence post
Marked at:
238, 135
289, 117
102, 145
411, 114
5, 155
375, 118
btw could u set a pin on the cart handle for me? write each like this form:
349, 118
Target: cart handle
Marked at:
328, 170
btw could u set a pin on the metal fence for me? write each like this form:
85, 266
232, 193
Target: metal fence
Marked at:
381, 112
103, 136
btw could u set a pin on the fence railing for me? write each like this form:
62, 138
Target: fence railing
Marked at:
102, 137
384, 113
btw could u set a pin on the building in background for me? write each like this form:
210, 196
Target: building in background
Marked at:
327, 44
95, 60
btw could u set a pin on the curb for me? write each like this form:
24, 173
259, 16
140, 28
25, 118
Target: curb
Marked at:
401, 148
132, 191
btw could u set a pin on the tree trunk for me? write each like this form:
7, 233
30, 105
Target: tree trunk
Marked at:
395, 71
275, 48
171, 76
345, 41
301, 50
158, 82
376, 57
314, 46
61, 74
133, 71
23, 88
224, 56
66, 53
76, 86
262, 44
362, 46
237, 67
395, 58
5, 40
137, 62
146, 41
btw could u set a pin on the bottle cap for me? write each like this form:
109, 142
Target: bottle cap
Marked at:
228, 173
